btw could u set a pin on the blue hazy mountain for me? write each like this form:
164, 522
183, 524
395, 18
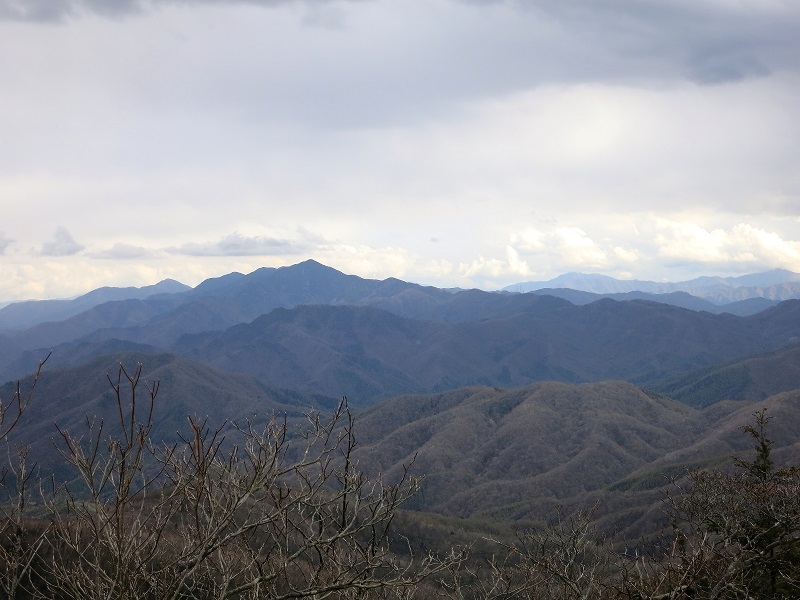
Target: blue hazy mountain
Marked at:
775, 285
20, 315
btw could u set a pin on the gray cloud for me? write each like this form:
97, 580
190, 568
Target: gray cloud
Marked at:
704, 41
54, 11
62, 245
122, 251
4, 243
360, 79
716, 68
521, 46
524, 43
237, 244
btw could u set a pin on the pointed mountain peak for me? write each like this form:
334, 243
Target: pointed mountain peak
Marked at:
312, 264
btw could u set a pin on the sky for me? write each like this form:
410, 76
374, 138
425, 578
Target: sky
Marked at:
462, 143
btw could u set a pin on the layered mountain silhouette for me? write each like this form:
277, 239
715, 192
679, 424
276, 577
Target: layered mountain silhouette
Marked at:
776, 285
311, 328
370, 354
512, 403
20, 315
742, 308
222, 302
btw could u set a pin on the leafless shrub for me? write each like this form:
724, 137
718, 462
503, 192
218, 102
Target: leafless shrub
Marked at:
566, 560
20, 540
272, 515
735, 535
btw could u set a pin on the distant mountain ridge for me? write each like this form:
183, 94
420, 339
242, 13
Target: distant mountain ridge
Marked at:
776, 285
247, 296
766, 288
221, 302
19, 315
314, 329
740, 308
370, 354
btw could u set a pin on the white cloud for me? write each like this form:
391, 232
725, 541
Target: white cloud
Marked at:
626, 254
742, 244
529, 240
768, 245
560, 247
67, 277
578, 248
482, 269
689, 241
656, 247
517, 265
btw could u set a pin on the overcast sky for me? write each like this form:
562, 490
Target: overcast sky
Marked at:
448, 142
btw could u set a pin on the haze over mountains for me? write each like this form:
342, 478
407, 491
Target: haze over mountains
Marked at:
18, 315
776, 285
311, 328
707, 293
512, 402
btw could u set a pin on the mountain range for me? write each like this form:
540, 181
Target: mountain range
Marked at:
311, 328
775, 285
19, 315
290, 286
512, 403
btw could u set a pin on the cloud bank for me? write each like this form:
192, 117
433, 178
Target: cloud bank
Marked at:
657, 140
